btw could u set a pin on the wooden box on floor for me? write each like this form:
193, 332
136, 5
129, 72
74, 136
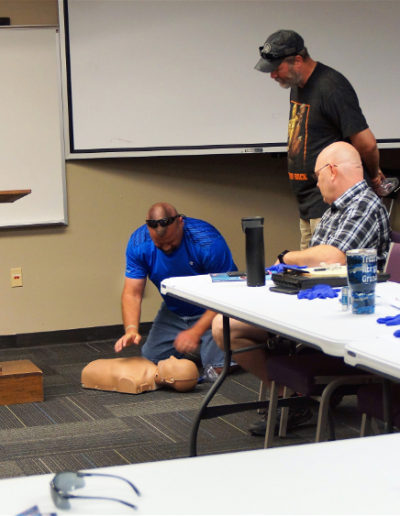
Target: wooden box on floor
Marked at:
20, 382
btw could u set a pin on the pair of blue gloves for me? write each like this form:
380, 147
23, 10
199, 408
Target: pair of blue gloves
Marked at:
324, 291
316, 292
390, 321
321, 291
281, 267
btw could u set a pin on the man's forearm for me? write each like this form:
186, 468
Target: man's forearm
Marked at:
314, 256
365, 143
204, 323
131, 308
371, 160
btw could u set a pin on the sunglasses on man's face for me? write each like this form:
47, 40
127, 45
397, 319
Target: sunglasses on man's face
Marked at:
67, 481
167, 221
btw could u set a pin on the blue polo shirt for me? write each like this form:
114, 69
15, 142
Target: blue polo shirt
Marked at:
202, 250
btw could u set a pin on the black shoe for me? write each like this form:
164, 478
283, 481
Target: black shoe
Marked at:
232, 369
297, 417
260, 427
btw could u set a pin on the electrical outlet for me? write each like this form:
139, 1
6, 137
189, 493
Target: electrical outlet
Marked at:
16, 277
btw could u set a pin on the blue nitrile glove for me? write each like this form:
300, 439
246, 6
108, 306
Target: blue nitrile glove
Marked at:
282, 266
275, 268
389, 321
397, 333
318, 291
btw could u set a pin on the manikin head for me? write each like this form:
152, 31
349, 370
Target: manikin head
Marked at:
179, 374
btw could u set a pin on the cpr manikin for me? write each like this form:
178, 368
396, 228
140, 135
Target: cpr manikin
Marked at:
135, 375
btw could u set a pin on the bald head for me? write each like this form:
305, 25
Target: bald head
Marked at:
160, 210
339, 152
166, 237
338, 168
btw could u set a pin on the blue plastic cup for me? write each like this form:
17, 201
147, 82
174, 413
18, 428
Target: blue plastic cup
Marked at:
361, 277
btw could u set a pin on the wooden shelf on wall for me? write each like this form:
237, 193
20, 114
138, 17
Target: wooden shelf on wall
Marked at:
12, 195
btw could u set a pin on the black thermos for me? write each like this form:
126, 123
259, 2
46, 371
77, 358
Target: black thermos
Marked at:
253, 227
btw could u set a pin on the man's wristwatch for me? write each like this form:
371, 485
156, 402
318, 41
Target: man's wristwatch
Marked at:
281, 255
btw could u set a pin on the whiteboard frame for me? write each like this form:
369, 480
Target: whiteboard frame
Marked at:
74, 152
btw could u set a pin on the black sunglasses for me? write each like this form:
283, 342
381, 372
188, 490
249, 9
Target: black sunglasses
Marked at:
167, 221
274, 57
64, 482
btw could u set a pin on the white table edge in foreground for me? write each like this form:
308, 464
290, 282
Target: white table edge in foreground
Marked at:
351, 476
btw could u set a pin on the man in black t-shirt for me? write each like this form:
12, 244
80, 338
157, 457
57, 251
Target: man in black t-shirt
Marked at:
324, 108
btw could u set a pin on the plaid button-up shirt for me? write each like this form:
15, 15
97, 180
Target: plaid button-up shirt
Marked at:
357, 219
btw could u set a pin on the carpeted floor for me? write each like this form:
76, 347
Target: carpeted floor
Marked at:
76, 428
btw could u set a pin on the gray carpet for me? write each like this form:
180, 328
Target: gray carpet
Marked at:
76, 428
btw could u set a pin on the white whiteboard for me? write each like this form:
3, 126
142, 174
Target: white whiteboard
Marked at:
31, 139
158, 77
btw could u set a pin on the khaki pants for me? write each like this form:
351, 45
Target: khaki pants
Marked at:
307, 228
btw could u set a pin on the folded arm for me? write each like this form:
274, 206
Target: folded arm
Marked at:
365, 143
314, 256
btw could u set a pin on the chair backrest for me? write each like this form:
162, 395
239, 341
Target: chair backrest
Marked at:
395, 236
392, 265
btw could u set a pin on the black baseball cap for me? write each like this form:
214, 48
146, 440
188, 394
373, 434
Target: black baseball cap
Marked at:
279, 45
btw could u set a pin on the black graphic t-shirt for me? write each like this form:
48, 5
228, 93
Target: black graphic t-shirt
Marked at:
326, 110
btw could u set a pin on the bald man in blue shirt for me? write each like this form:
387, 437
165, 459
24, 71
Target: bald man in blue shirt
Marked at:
171, 245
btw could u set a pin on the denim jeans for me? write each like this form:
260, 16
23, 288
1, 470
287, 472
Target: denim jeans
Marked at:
159, 344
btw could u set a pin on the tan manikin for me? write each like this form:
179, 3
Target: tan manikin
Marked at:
135, 375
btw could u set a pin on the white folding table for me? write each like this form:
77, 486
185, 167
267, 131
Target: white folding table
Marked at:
350, 476
380, 355
320, 323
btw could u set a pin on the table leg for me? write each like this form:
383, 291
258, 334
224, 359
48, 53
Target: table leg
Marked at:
387, 406
214, 388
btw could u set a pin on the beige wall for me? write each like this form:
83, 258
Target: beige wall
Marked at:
73, 275
30, 12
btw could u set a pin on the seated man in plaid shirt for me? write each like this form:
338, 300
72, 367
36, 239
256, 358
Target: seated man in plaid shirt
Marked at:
355, 219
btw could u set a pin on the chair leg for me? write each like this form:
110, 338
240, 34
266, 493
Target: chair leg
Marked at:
374, 426
284, 412
271, 419
324, 406
369, 426
262, 396
365, 425
323, 412
331, 424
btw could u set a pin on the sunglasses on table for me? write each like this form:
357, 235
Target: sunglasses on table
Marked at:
67, 481
166, 221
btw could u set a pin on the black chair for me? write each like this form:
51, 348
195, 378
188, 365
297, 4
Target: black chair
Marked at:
370, 398
392, 265
395, 236
318, 377
370, 404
